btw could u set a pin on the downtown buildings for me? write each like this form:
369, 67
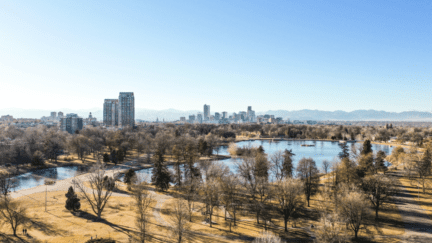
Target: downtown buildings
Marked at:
71, 123
120, 112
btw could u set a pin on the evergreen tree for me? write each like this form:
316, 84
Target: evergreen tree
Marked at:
261, 149
106, 158
344, 153
72, 201
161, 177
287, 166
129, 176
261, 166
202, 146
367, 147
379, 161
114, 157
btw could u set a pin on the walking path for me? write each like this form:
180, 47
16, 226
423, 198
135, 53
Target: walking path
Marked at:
418, 225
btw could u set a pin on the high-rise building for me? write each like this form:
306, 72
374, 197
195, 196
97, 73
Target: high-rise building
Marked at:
224, 115
200, 117
71, 123
53, 114
182, 119
110, 112
126, 103
217, 116
191, 118
206, 112
60, 114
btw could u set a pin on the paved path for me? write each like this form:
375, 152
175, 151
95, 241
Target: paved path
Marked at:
418, 225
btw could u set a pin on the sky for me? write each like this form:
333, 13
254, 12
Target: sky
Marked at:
271, 55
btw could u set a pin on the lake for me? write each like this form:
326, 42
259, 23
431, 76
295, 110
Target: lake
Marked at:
322, 150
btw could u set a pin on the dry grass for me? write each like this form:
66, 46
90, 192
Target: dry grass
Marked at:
415, 189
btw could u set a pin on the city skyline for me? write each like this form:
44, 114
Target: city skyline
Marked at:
280, 55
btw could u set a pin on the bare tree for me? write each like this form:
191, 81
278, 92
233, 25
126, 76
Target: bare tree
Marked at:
190, 190
230, 185
379, 188
7, 184
325, 166
180, 224
276, 162
99, 193
288, 193
143, 200
13, 213
331, 229
353, 208
210, 191
308, 173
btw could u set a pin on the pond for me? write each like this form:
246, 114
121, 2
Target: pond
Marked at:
37, 178
320, 151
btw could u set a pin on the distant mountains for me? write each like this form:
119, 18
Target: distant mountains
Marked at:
173, 115
357, 115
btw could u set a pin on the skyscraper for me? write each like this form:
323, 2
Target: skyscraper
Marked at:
53, 114
126, 103
110, 112
224, 115
206, 112
200, 117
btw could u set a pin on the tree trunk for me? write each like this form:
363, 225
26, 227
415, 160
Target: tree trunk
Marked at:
376, 212
286, 223
355, 233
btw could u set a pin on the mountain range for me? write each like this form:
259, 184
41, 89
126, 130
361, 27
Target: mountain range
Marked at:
173, 115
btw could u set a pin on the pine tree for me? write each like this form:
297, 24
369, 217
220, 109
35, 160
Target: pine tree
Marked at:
72, 201
379, 161
344, 153
261, 166
367, 147
161, 177
287, 167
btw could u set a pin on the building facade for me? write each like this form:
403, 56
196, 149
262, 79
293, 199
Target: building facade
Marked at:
126, 109
110, 112
206, 112
71, 123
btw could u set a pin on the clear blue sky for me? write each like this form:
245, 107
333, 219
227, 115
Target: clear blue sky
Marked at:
292, 55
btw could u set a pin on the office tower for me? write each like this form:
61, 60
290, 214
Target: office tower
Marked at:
243, 115
71, 123
182, 119
200, 117
206, 112
126, 110
53, 114
224, 115
217, 116
251, 116
191, 118
60, 114
110, 112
